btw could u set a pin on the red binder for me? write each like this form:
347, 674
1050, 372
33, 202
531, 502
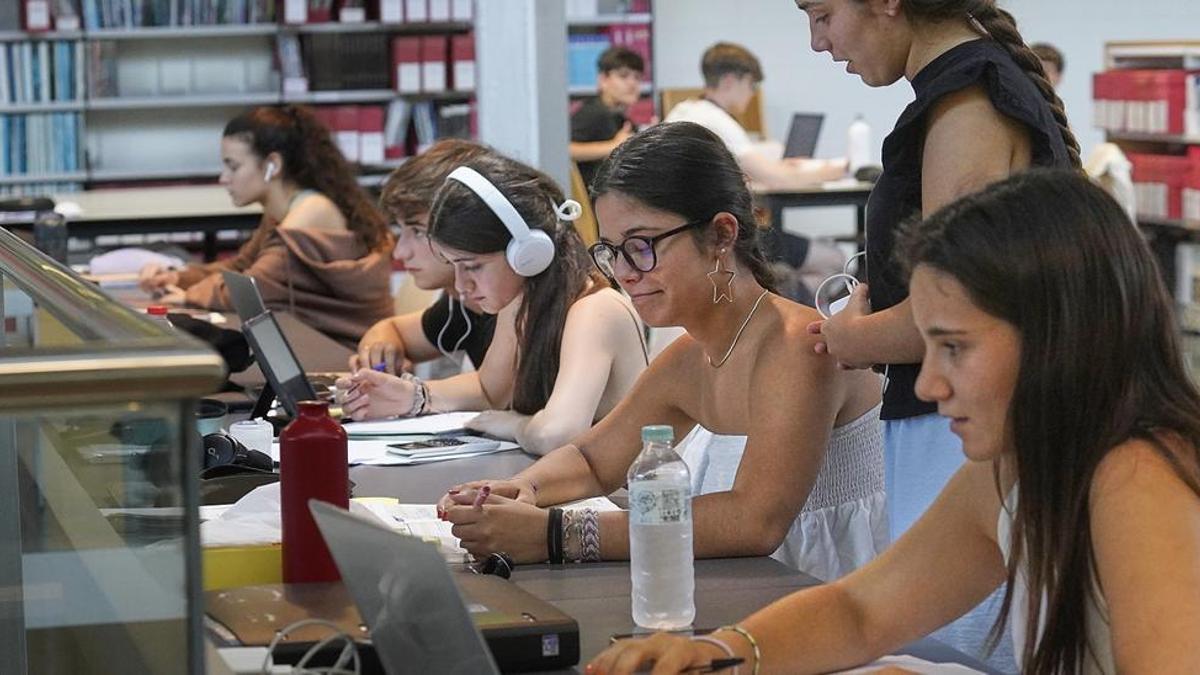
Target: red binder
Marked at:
462, 59
370, 134
434, 49
345, 130
406, 65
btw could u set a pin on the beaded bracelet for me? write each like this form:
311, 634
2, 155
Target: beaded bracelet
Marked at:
749, 638
589, 537
713, 641
420, 403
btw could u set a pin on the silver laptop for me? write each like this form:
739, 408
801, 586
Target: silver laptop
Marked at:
243, 295
802, 135
418, 620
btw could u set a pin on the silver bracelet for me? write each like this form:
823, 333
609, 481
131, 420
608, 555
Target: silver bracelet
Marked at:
714, 641
420, 403
570, 530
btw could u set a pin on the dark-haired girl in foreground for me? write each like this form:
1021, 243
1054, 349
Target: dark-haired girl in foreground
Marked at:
1051, 346
805, 478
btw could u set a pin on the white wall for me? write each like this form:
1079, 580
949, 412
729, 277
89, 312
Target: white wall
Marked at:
799, 80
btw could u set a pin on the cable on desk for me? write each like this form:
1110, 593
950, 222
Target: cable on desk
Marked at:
348, 654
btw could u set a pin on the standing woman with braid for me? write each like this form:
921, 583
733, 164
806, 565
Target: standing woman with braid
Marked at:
322, 250
983, 110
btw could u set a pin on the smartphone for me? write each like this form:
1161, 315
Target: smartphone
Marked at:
612, 639
435, 442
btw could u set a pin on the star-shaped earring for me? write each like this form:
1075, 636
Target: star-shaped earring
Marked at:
721, 276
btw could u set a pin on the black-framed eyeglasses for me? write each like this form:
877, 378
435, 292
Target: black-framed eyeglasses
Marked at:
637, 250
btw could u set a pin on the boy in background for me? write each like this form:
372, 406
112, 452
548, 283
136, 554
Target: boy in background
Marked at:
600, 125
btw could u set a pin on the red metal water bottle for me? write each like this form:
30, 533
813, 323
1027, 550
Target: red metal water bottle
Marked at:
312, 465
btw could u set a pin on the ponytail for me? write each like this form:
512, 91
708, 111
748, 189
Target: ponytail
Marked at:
1002, 27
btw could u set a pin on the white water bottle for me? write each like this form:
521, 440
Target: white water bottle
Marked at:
660, 534
858, 144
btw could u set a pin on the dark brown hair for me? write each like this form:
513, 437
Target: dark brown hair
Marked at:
410, 188
620, 57
1048, 53
685, 169
1002, 28
1053, 255
727, 58
461, 220
312, 161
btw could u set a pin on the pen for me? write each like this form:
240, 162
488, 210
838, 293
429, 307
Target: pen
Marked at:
482, 495
716, 665
379, 367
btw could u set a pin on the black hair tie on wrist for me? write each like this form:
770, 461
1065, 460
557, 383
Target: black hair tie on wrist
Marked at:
554, 536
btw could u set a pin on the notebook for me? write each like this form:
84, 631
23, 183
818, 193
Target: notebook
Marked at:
802, 134
243, 295
421, 616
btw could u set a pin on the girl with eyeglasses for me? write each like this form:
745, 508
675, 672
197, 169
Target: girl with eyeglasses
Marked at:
1052, 349
565, 348
795, 461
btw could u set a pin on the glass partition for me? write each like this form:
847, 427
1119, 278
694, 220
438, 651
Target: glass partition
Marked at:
99, 552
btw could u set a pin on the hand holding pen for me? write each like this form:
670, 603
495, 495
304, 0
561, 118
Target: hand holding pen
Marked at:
371, 394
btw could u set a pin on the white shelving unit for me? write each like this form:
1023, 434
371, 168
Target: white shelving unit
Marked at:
177, 86
611, 20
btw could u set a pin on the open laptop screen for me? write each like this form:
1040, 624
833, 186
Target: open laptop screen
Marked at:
278, 361
243, 295
803, 134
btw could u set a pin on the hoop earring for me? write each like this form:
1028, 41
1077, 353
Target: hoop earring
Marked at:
719, 276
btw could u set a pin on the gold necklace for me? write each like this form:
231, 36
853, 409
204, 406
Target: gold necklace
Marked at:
738, 334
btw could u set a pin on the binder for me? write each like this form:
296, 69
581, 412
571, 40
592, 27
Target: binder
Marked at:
462, 56
35, 15
439, 10
320, 11
462, 10
433, 63
416, 11
391, 11
345, 131
370, 130
295, 11
406, 64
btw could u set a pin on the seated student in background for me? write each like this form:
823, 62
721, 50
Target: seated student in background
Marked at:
450, 324
566, 347
731, 74
1051, 342
600, 125
321, 251
1053, 61
677, 232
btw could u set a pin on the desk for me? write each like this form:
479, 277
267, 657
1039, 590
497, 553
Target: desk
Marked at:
836, 194
189, 208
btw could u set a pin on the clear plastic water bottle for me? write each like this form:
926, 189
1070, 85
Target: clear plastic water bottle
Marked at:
858, 144
660, 534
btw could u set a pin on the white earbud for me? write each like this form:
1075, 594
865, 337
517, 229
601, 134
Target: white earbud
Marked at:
851, 284
270, 172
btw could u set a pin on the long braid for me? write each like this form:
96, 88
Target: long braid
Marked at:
1002, 27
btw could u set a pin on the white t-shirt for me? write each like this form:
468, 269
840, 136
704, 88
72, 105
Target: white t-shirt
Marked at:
712, 117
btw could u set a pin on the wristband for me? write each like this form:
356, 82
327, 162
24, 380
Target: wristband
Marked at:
724, 647
554, 542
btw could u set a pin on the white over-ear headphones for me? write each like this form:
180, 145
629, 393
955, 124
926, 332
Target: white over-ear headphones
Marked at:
531, 251
270, 172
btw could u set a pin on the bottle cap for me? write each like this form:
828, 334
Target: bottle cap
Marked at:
157, 310
658, 433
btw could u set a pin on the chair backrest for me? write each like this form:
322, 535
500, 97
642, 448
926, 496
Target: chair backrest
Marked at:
585, 225
751, 120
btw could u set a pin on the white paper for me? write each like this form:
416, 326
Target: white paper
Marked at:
427, 424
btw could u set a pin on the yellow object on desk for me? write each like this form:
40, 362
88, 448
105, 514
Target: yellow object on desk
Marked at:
232, 566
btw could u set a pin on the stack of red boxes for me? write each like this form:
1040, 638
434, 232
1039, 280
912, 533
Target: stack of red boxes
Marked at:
1147, 101
1159, 181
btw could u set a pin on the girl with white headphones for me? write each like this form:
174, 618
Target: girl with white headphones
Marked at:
566, 347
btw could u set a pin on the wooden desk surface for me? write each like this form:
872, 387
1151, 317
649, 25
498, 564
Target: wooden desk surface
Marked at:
830, 187
154, 203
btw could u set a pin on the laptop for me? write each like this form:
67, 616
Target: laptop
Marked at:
422, 617
243, 295
802, 135
278, 362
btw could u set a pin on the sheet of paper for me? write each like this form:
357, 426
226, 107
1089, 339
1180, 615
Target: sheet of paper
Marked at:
910, 664
418, 520
427, 424
375, 453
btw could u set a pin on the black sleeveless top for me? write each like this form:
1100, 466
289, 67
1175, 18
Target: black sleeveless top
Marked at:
897, 194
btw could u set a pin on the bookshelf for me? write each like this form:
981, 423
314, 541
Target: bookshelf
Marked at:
1147, 101
146, 103
595, 25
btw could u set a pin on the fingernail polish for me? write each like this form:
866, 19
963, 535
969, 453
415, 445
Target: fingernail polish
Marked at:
452, 491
